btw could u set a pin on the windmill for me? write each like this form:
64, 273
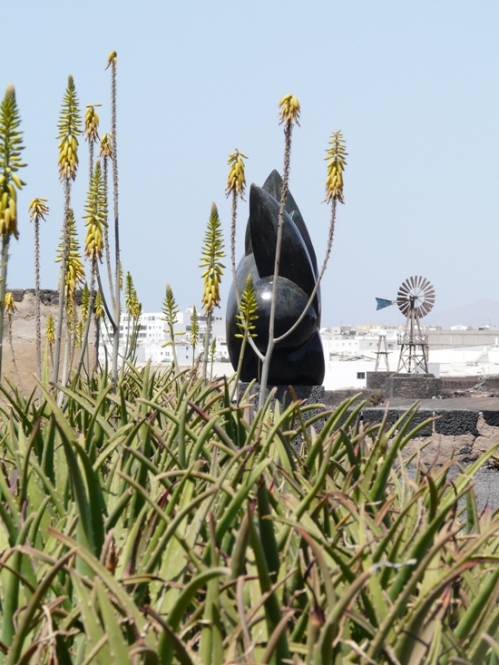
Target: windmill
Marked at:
415, 299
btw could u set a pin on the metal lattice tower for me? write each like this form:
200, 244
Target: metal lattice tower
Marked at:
382, 353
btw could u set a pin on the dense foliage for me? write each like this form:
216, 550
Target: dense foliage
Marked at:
163, 524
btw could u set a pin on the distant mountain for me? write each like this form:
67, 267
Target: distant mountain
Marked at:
480, 313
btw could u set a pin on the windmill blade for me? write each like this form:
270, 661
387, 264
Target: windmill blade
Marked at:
425, 283
405, 286
381, 303
403, 305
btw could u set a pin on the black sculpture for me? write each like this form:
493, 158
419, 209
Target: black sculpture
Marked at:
299, 358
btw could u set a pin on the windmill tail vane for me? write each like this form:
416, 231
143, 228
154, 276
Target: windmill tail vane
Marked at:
381, 303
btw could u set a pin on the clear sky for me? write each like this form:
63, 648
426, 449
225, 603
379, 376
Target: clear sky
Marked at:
413, 86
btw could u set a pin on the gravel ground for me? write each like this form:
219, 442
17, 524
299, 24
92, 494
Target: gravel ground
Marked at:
487, 488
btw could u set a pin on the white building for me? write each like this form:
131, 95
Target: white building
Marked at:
349, 354
153, 338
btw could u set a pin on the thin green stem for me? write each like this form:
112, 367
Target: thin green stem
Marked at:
320, 276
3, 282
38, 323
86, 332
117, 312
280, 223
206, 351
62, 279
233, 227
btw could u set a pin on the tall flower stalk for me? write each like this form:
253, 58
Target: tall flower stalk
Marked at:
336, 159
112, 62
10, 162
50, 335
96, 221
170, 311
74, 277
69, 130
91, 135
236, 184
211, 256
10, 309
289, 115
38, 209
134, 310
106, 153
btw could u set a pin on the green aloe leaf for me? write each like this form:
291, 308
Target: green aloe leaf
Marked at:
117, 644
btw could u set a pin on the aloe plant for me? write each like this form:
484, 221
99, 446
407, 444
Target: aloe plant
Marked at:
157, 524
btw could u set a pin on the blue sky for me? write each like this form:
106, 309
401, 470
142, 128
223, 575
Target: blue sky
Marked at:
413, 86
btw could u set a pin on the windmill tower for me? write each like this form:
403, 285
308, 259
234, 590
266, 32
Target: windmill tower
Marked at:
415, 299
382, 353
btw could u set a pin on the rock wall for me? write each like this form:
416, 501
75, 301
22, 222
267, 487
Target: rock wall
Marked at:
19, 342
461, 434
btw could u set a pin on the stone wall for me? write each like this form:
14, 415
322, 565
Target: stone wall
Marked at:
412, 386
336, 397
377, 380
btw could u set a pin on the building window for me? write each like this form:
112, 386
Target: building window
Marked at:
361, 375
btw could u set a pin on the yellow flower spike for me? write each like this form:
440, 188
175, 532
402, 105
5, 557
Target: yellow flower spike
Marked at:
210, 259
290, 109
91, 123
9, 304
112, 59
106, 146
50, 329
248, 310
75, 273
236, 180
335, 156
98, 306
10, 162
38, 208
96, 213
69, 130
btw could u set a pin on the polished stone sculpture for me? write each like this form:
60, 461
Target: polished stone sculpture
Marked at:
298, 359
